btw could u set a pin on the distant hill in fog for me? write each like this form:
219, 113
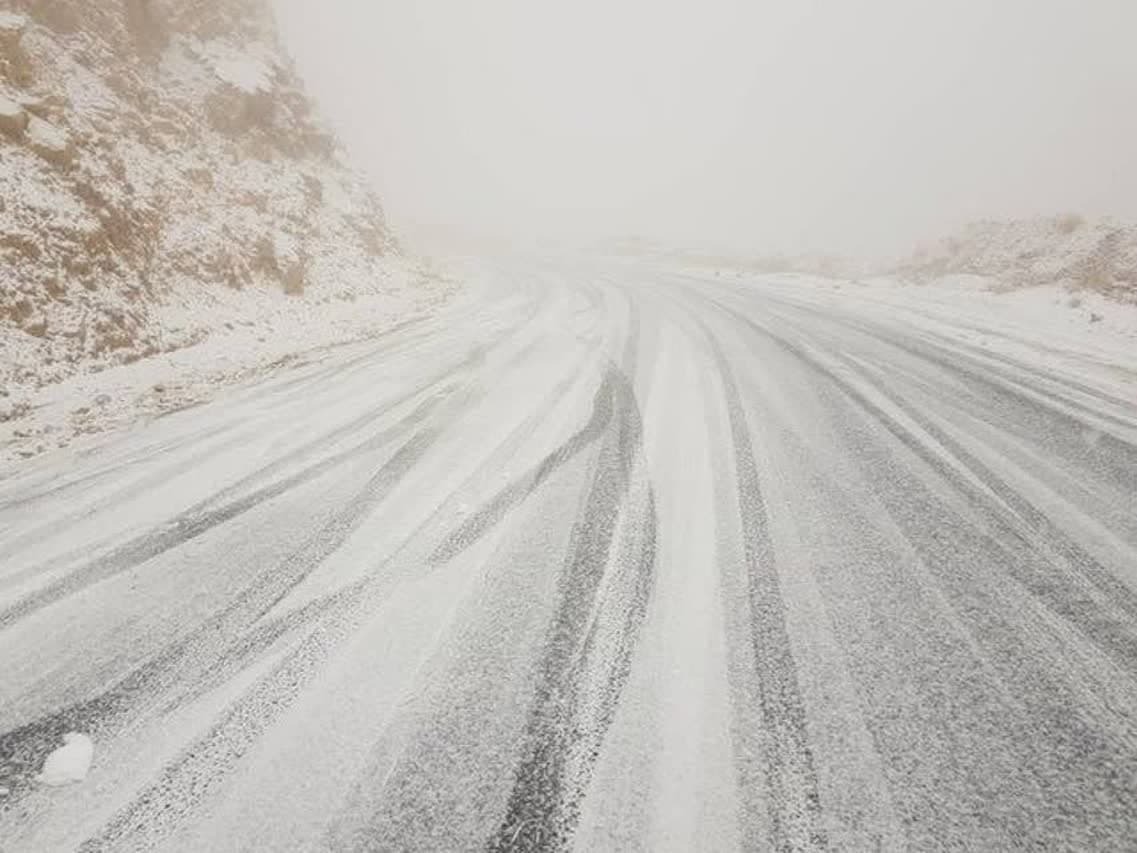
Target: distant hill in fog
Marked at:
1096, 255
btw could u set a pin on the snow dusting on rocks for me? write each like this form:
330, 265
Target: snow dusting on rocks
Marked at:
165, 181
1087, 256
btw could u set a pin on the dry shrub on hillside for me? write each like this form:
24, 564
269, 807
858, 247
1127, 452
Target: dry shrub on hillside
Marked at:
1068, 223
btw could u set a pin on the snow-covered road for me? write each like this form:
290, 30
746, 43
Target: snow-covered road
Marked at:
606, 558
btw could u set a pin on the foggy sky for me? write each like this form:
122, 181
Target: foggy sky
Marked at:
773, 125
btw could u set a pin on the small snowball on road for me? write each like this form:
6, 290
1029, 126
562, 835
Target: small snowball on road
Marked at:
70, 762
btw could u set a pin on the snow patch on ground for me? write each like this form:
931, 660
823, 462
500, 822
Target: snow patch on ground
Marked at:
10, 22
70, 762
47, 136
248, 73
9, 109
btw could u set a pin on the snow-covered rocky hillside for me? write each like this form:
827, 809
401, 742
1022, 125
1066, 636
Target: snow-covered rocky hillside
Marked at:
163, 180
1098, 256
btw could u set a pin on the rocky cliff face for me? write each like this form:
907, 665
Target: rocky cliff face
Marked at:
151, 149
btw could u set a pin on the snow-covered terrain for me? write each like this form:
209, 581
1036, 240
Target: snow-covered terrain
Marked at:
1087, 332
255, 335
163, 180
309, 545
1091, 256
602, 556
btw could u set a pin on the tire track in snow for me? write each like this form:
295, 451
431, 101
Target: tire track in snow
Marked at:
1022, 511
1074, 746
188, 660
200, 519
192, 525
265, 633
133, 489
604, 589
414, 768
794, 802
1057, 589
1030, 697
202, 766
562, 739
1017, 404
494, 510
54, 488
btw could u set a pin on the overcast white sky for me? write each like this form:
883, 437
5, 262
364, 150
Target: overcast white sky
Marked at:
847, 125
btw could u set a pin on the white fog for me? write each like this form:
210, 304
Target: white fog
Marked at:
783, 125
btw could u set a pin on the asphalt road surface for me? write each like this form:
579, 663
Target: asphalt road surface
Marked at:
607, 559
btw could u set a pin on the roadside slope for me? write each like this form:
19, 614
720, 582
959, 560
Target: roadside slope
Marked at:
165, 178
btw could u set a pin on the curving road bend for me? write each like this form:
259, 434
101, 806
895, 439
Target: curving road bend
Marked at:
605, 557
